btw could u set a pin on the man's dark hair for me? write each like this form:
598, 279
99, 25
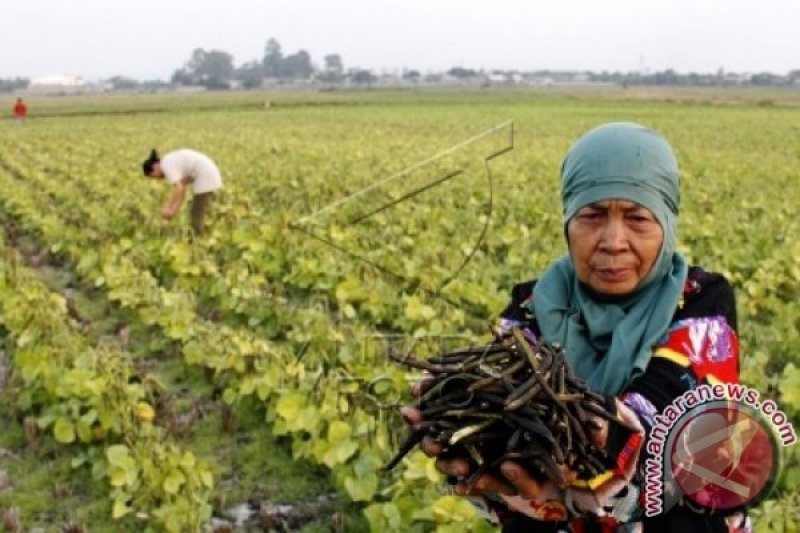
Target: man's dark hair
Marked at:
150, 162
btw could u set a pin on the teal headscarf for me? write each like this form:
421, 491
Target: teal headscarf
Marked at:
609, 341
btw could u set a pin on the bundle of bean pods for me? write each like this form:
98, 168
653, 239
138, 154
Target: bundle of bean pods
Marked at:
513, 399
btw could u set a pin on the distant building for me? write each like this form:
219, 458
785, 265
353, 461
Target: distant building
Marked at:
189, 88
735, 79
498, 78
58, 83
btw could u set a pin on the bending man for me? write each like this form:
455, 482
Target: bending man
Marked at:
182, 168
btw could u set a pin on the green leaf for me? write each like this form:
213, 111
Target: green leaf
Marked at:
64, 430
290, 404
790, 387
188, 461
365, 464
106, 417
417, 311
338, 431
351, 289
263, 390
79, 461
120, 507
375, 517
118, 455
89, 416
419, 467
44, 421
84, 431
363, 488
247, 386
305, 420
453, 509
173, 482
229, 396
340, 452
118, 477
393, 516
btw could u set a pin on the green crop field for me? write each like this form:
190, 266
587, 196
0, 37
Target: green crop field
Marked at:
150, 382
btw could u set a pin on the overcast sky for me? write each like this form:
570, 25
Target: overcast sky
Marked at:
149, 39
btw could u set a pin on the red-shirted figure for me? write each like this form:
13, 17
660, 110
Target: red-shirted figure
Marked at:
20, 111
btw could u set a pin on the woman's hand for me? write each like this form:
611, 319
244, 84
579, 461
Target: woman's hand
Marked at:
515, 486
597, 431
512, 485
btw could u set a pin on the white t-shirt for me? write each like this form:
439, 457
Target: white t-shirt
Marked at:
192, 166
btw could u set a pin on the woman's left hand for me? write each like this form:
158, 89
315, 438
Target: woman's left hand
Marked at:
598, 432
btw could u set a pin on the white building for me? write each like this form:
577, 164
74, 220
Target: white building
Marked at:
57, 83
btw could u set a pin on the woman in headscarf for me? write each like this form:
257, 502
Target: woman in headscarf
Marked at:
637, 323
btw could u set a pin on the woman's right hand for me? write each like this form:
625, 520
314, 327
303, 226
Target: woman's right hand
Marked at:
515, 481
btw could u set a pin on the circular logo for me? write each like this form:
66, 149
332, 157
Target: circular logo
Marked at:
724, 456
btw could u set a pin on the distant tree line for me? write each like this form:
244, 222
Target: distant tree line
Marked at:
16, 84
666, 77
670, 77
214, 69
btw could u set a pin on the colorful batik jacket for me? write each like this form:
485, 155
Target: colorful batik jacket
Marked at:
700, 347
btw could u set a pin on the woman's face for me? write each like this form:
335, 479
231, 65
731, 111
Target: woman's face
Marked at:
614, 245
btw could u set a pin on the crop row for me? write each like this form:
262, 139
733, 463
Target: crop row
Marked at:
317, 401
283, 318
